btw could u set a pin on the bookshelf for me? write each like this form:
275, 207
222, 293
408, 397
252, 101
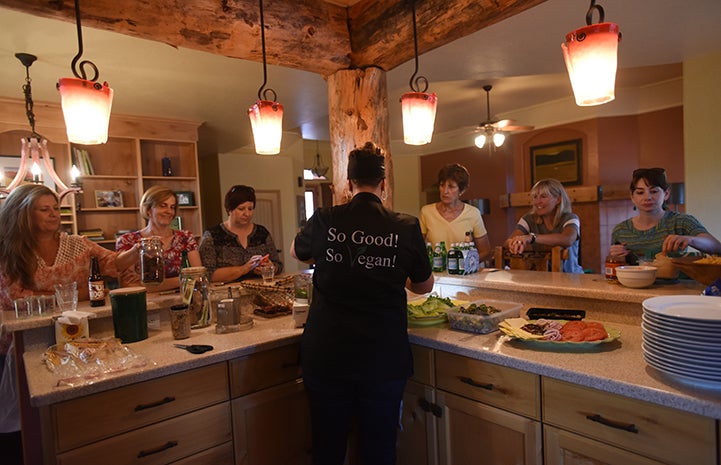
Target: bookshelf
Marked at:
122, 169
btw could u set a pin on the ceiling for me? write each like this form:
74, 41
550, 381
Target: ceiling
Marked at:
520, 56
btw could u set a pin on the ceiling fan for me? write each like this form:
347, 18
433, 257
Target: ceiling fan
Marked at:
495, 130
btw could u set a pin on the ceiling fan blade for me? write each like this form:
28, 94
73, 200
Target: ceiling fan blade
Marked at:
514, 128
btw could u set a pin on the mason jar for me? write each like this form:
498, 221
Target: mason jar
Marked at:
195, 291
152, 263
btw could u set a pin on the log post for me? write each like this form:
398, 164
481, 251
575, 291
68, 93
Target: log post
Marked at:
358, 113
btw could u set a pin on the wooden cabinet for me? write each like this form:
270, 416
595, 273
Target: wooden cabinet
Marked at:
469, 415
271, 414
614, 423
157, 421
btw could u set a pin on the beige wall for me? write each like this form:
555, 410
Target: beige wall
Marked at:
702, 139
270, 172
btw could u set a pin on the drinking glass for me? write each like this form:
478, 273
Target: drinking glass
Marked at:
23, 307
267, 270
66, 295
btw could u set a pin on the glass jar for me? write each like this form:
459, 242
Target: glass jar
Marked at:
194, 289
152, 266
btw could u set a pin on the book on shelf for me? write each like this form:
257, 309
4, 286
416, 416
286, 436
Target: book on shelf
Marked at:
81, 159
91, 233
120, 232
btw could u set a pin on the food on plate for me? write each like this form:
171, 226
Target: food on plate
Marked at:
433, 306
476, 309
554, 330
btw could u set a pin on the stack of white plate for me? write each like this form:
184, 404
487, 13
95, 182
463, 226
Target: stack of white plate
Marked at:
682, 337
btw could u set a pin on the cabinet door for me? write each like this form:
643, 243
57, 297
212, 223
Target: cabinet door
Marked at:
418, 439
272, 427
475, 433
564, 448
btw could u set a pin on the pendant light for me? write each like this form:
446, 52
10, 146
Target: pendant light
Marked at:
319, 170
266, 116
418, 107
34, 155
590, 54
86, 103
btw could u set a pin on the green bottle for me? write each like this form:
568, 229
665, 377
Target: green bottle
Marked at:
444, 255
437, 258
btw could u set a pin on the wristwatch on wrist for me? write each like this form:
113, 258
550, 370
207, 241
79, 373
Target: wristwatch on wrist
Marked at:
533, 237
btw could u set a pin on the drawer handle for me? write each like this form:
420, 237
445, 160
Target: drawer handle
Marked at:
471, 382
158, 403
166, 446
429, 407
630, 427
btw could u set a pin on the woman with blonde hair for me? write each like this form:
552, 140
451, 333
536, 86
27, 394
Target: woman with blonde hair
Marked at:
549, 223
159, 205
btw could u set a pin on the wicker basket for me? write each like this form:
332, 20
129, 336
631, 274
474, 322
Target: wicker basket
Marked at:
705, 273
276, 298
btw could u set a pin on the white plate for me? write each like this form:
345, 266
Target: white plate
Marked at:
660, 362
676, 352
682, 360
694, 307
683, 332
682, 322
683, 378
675, 342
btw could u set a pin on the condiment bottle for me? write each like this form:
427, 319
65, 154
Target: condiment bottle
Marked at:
96, 284
454, 257
613, 261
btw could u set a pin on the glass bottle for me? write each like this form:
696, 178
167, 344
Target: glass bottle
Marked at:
437, 258
194, 289
429, 251
96, 284
612, 261
184, 263
152, 267
444, 255
454, 258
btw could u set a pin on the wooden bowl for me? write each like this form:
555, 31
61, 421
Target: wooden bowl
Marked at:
705, 273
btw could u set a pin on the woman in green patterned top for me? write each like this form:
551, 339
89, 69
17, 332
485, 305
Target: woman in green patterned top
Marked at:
656, 229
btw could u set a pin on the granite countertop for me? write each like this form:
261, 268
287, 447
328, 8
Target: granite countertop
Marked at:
616, 367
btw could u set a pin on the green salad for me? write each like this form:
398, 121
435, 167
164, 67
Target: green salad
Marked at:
433, 306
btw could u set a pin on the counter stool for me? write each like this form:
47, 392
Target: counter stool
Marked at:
551, 260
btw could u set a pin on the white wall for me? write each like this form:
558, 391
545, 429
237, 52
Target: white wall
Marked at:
270, 172
702, 139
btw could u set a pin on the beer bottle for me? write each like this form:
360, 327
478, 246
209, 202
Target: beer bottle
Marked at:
96, 285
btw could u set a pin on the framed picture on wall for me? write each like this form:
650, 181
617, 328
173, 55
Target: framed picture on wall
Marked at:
560, 160
185, 198
108, 199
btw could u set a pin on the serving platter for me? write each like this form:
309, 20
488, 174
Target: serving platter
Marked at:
432, 320
513, 331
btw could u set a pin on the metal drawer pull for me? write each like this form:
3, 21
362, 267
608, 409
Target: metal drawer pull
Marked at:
429, 407
630, 427
158, 403
469, 381
166, 446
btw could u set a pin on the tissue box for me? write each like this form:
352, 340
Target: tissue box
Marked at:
483, 323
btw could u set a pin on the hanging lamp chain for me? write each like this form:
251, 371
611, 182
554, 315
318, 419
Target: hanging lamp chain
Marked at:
79, 68
591, 9
27, 60
414, 81
263, 93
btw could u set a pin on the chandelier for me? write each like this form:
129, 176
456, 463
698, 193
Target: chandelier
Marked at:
319, 170
34, 152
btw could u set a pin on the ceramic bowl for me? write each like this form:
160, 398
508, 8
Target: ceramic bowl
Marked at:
636, 276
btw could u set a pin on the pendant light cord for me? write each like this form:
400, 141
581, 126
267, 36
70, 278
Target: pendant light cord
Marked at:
414, 81
79, 68
589, 13
262, 91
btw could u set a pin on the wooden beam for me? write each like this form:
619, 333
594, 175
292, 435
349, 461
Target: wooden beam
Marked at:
310, 35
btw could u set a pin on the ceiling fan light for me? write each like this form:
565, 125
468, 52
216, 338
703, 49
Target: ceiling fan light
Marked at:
419, 115
86, 110
480, 141
266, 121
498, 139
590, 54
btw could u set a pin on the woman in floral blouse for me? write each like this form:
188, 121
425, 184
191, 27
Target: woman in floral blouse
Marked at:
159, 206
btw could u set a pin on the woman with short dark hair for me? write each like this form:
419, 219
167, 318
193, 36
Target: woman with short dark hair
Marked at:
233, 249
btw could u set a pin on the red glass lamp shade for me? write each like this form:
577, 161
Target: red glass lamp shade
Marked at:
86, 108
591, 53
266, 120
419, 115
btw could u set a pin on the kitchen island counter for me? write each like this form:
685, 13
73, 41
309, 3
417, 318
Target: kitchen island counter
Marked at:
616, 367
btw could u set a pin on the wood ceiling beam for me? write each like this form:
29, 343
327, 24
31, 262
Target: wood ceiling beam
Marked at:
310, 35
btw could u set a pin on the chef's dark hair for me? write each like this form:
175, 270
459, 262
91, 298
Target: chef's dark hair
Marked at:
655, 177
237, 195
454, 172
366, 165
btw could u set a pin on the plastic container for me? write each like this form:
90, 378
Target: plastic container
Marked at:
483, 323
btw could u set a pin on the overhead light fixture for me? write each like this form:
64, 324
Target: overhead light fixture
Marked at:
418, 107
34, 155
591, 54
318, 170
266, 116
86, 103
496, 136
495, 130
